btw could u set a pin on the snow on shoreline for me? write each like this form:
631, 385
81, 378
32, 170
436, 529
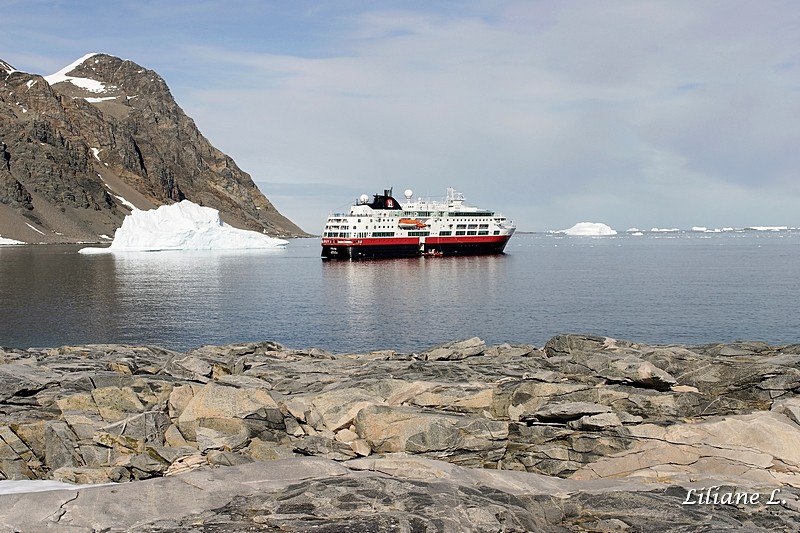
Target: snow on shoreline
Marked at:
182, 226
589, 229
4, 241
37, 485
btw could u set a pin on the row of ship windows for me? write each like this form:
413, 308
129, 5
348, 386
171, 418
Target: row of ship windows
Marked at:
442, 214
422, 214
458, 226
365, 234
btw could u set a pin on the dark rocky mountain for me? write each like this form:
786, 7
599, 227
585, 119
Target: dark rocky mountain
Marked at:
83, 145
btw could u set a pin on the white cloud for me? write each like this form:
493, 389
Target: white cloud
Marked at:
650, 113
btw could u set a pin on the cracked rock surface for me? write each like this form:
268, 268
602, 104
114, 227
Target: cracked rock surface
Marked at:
585, 434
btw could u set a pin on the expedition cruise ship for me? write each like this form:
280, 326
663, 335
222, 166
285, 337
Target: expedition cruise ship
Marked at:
386, 228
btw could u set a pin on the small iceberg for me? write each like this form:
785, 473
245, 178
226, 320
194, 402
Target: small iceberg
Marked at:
768, 228
591, 229
182, 226
704, 229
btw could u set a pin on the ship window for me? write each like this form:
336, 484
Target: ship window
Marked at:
484, 226
460, 233
483, 232
472, 226
445, 233
496, 232
470, 233
461, 226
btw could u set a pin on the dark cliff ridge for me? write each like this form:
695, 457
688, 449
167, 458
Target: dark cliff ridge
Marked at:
83, 145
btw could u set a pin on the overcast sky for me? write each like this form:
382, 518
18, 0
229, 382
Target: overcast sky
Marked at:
632, 113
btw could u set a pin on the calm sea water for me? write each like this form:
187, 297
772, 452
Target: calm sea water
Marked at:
686, 288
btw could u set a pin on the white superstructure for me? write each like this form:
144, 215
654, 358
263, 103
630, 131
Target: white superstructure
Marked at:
385, 227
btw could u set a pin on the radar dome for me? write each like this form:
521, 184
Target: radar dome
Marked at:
409, 193
363, 198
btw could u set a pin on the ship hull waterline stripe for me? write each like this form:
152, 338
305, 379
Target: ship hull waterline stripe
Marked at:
414, 241
395, 249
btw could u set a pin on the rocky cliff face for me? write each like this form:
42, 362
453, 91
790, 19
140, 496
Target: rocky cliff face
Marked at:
82, 146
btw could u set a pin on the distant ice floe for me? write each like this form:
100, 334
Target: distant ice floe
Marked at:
591, 229
664, 230
182, 226
595, 229
4, 241
703, 229
768, 228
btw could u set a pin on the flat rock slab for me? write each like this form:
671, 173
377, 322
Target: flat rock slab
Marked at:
398, 493
588, 434
128, 506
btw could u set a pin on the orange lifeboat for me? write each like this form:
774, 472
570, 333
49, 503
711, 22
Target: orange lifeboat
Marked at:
411, 223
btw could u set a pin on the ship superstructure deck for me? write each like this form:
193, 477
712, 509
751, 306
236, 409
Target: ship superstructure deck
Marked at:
385, 227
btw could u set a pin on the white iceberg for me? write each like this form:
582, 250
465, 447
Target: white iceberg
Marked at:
664, 230
592, 229
768, 228
3, 241
182, 226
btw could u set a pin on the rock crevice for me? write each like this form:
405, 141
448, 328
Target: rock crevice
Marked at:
582, 410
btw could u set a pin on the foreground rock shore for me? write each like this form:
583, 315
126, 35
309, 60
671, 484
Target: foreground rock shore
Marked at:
585, 434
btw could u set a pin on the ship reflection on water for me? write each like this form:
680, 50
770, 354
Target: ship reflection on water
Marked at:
428, 300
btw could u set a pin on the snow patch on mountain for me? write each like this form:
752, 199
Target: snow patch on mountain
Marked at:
88, 84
